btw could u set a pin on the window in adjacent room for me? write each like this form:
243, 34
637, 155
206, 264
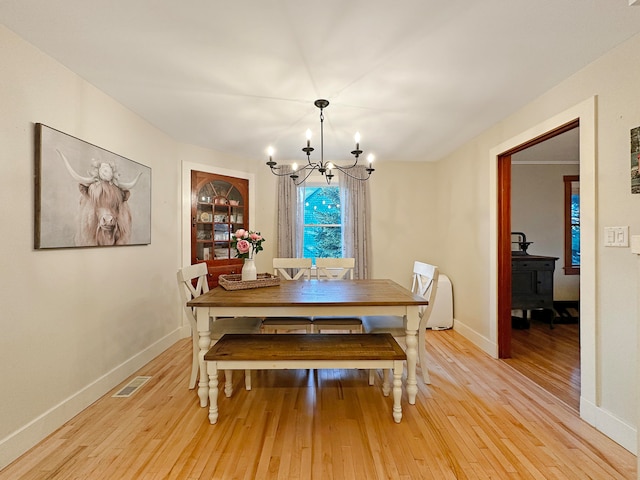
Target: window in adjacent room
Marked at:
571, 224
322, 235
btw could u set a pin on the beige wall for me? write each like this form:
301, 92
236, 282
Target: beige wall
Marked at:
537, 209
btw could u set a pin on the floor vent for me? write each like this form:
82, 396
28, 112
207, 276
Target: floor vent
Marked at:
132, 387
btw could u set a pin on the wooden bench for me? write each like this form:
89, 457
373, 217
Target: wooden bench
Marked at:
292, 351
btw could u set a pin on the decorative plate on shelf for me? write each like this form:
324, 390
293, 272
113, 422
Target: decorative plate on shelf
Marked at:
204, 217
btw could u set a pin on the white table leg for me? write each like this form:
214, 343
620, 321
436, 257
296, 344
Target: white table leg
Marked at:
247, 379
412, 357
412, 320
213, 392
397, 391
203, 386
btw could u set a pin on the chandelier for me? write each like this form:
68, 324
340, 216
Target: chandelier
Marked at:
325, 168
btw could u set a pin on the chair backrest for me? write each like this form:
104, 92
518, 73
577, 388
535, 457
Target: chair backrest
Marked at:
425, 284
292, 268
188, 291
335, 268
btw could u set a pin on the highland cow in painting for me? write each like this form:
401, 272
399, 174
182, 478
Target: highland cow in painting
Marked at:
104, 214
112, 207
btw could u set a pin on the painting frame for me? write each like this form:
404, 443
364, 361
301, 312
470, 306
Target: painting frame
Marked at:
86, 196
634, 135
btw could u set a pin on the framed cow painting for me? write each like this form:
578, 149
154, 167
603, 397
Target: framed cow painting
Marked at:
86, 196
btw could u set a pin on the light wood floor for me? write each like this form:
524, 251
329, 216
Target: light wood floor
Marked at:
480, 419
549, 357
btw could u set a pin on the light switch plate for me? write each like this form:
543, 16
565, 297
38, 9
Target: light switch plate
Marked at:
616, 236
635, 244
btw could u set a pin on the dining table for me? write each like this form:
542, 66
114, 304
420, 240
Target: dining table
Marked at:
309, 298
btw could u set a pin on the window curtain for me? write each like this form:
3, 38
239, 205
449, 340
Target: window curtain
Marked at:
356, 220
289, 206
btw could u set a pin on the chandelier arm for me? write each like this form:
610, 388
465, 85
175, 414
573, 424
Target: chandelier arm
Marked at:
306, 176
284, 174
343, 170
348, 167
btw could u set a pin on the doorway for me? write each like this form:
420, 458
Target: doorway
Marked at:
504, 232
545, 344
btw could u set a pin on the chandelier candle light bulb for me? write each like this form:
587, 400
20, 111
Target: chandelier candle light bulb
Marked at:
270, 152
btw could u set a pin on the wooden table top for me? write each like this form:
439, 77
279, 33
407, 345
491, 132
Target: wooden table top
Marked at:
335, 346
313, 293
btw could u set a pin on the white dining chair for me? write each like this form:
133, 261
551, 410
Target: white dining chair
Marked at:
336, 269
425, 284
289, 269
192, 282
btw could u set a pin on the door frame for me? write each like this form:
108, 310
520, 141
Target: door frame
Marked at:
585, 113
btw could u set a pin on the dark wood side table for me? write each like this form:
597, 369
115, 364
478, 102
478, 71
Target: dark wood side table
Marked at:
532, 283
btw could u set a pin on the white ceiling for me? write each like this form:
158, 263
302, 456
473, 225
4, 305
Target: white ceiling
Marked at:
416, 78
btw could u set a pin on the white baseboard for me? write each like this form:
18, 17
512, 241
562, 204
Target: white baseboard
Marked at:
489, 347
620, 432
18, 442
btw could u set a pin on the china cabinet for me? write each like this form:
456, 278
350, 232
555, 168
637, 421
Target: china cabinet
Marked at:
219, 207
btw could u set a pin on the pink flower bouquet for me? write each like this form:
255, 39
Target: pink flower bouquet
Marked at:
246, 243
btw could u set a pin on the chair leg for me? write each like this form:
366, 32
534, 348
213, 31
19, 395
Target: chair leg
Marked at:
386, 384
228, 382
422, 355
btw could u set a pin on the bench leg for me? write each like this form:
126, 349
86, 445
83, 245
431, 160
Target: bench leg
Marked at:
212, 369
397, 391
372, 373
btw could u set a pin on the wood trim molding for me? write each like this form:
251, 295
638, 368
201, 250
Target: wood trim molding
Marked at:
504, 256
569, 268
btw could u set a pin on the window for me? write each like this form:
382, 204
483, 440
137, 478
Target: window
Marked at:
322, 222
571, 224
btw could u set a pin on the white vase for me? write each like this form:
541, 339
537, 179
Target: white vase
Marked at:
249, 270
